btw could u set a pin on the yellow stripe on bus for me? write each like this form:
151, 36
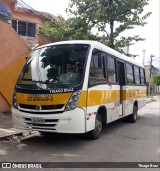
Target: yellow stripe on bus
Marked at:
93, 98
98, 97
57, 99
134, 94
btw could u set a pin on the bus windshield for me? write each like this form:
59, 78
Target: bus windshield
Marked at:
55, 66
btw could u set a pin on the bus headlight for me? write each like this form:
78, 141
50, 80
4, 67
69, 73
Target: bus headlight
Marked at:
14, 100
72, 104
75, 98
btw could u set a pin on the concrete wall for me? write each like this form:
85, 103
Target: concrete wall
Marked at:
9, 5
4, 105
43, 40
12, 45
12, 50
21, 15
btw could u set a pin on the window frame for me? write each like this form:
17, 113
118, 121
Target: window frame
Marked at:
115, 71
104, 56
27, 27
139, 76
129, 73
133, 65
103, 80
144, 76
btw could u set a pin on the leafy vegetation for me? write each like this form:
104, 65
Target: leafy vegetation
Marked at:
110, 17
156, 80
72, 29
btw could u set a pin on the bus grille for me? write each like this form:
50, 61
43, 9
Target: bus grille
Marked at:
49, 124
43, 107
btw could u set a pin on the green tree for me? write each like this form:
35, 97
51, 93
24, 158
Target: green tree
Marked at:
72, 29
123, 14
111, 17
156, 80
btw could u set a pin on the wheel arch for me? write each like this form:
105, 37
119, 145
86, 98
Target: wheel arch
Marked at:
136, 104
102, 111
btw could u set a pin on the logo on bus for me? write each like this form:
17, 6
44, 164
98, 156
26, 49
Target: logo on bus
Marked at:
38, 107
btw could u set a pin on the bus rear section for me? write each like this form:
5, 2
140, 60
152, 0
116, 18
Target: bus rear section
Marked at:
116, 89
49, 90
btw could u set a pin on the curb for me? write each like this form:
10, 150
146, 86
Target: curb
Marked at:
6, 134
153, 99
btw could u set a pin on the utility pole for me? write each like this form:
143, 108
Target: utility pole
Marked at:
151, 66
127, 47
144, 55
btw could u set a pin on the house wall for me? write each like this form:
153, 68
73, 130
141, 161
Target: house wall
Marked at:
153, 88
4, 105
12, 47
10, 5
24, 16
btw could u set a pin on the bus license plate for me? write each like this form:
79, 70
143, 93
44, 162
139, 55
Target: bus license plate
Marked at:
38, 120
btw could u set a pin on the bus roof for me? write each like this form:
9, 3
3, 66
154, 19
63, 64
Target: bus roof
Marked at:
96, 43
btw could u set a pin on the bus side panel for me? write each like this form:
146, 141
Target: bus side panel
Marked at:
131, 95
106, 96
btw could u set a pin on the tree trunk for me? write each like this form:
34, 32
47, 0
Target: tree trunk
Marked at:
111, 27
111, 34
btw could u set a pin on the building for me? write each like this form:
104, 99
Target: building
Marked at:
149, 77
26, 21
19, 28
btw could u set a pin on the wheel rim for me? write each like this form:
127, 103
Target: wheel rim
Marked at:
98, 126
135, 113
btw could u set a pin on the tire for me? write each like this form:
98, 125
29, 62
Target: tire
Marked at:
95, 133
46, 134
133, 117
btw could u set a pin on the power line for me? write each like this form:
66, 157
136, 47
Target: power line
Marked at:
30, 10
43, 17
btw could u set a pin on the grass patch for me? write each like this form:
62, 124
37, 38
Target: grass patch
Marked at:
151, 100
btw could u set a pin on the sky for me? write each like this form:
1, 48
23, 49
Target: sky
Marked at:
150, 31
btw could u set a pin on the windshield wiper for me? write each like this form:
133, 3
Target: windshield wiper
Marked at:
41, 82
36, 81
53, 85
28, 86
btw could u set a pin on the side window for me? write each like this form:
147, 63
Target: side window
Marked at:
14, 24
137, 75
142, 76
111, 70
130, 76
96, 74
22, 28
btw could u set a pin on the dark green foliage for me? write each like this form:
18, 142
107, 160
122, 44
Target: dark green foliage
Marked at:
156, 80
72, 29
111, 17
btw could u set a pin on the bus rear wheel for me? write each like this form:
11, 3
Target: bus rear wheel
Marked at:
95, 133
133, 117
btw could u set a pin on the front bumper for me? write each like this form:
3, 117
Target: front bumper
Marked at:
66, 122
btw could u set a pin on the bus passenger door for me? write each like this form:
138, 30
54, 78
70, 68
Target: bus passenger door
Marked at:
121, 76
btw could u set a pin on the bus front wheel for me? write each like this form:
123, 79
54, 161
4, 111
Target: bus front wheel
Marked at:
46, 134
95, 133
